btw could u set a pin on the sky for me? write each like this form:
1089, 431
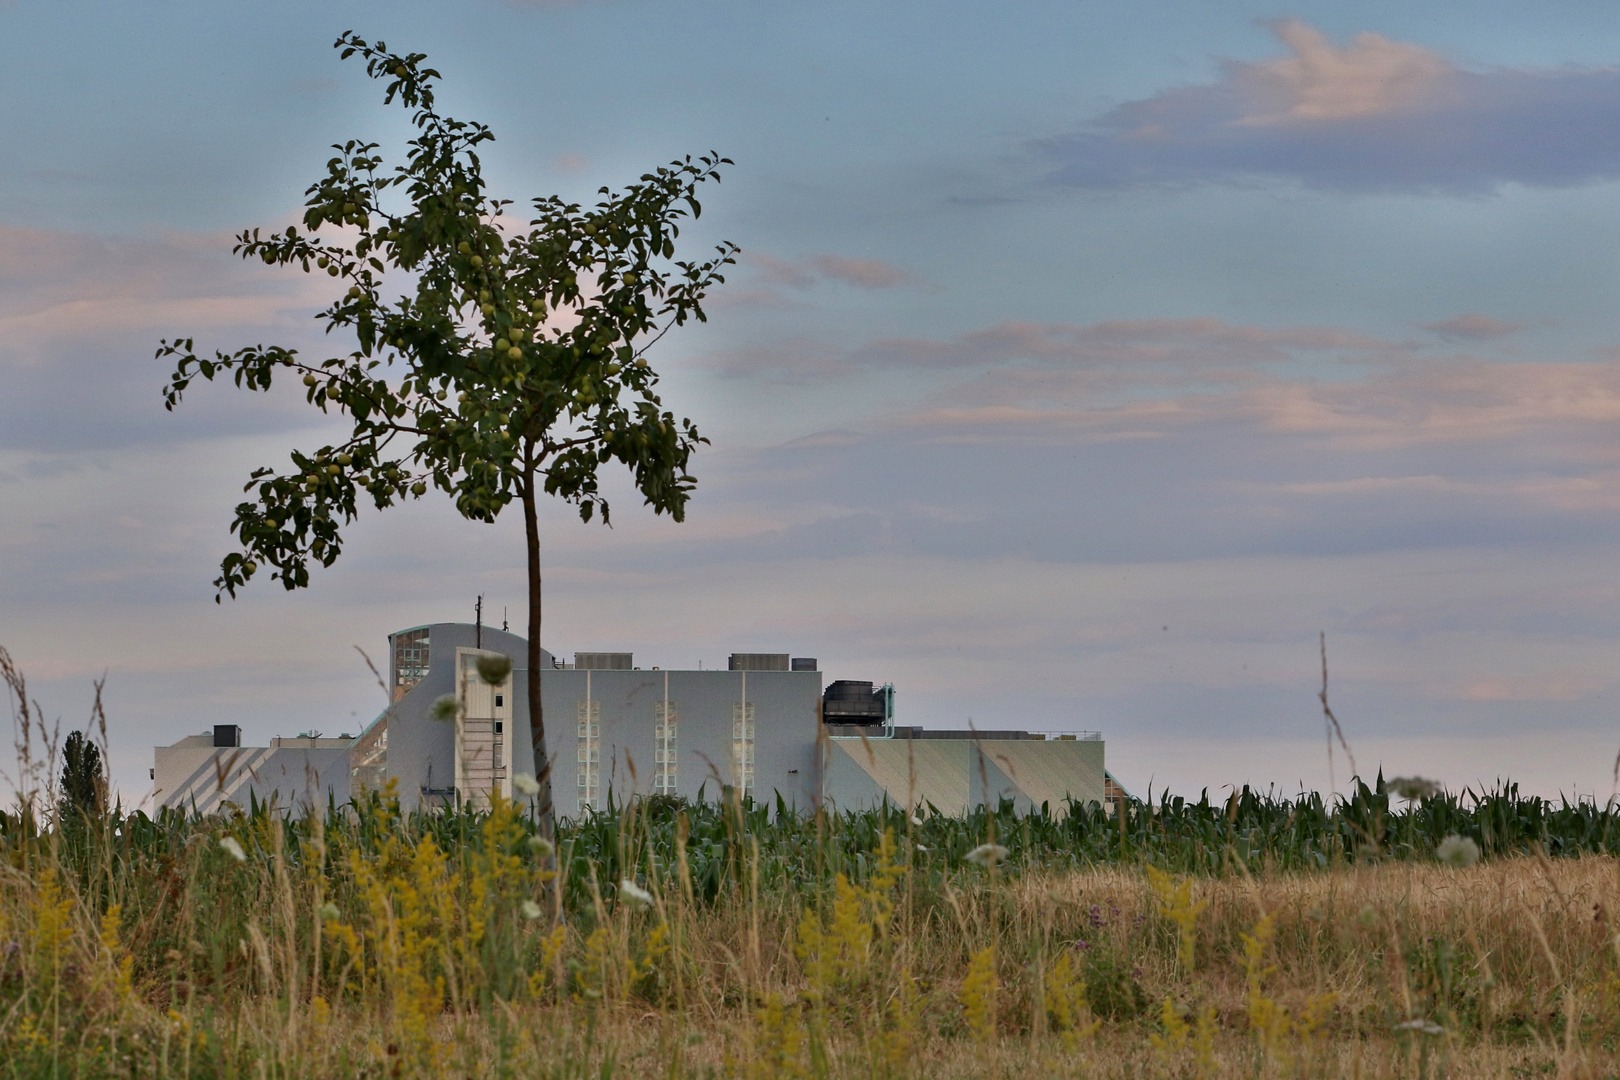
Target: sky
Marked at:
1086, 362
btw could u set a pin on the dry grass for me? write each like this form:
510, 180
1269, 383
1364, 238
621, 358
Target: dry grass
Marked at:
409, 959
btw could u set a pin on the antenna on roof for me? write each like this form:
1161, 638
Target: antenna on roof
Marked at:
503, 618
478, 627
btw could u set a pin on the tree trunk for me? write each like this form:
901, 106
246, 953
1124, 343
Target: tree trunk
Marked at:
537, 718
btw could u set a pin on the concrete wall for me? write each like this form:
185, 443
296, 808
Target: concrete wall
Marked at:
421, 750
785, 711
954, 775
293, 774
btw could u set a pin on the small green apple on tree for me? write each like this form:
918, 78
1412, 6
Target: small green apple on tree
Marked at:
512, 365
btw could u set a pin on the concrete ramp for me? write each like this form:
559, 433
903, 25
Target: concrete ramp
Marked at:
1052, 771
914, 770
863, 773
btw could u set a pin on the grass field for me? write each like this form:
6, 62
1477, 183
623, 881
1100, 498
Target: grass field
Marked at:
1249, 937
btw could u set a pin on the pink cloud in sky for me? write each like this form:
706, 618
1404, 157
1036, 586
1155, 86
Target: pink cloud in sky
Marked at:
58, 286
1197, 342
1473, 327
779, 271
1373, 115
1557, 686
1201, 348
1371, 76
807, 272
1452, 401
866, 273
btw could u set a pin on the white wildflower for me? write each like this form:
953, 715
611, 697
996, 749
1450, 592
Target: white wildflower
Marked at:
541, 846
530, 909
915, 820
232, 848
634, 894
922, 848
1459, 851
986, 855
1426, 1027
1414, 788
329, 912
525, 784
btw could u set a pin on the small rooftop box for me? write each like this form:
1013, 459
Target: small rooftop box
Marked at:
603, 661
759, 661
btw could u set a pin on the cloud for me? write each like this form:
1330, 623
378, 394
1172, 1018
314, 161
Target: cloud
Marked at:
1131, 380
866, 273
1372, 76
794, 361
806, 273
1374, 115
56, 285
1201, 344
1138, 351
1456, 401
1473, 328
779, 271
1573, 494
80, 317
1396, 403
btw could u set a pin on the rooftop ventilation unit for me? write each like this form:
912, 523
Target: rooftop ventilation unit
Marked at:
848, 701
227, 735
758, 661
603, 661
804, 663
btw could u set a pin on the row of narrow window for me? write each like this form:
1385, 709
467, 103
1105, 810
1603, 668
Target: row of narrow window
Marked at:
666, 736
590, 754
666, 731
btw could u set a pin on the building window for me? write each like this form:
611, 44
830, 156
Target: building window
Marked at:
410, 660
500, 699
666, 732
742, 746
588, 755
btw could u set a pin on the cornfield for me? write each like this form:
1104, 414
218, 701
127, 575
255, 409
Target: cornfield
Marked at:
1256, 936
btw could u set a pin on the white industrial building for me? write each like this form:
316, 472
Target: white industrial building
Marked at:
766, 725
209, 770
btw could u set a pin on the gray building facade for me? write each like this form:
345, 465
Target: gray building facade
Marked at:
615, 730
611, 728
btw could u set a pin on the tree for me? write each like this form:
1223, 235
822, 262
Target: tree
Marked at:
511, 364
84, 785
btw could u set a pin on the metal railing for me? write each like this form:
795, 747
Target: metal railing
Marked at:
889, 731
